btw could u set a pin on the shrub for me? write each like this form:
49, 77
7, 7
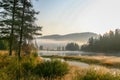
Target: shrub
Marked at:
52, 69
29, 69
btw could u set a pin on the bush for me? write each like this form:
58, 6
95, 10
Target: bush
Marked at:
52, 69
29, 69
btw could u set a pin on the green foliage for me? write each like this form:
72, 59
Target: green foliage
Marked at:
35, 54
52, 69
11, 67
3, 45
13, 24
29, 69
72, 46
109, 42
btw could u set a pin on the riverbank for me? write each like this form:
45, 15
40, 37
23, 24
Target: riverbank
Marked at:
91, 72
35, 68
108, 61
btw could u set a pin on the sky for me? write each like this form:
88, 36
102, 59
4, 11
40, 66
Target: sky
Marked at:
75, 16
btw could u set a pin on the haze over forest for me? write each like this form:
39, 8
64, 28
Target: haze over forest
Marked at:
54, 41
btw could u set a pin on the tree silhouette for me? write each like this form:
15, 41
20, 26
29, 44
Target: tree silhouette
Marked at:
13, 24
72, 46
109, 42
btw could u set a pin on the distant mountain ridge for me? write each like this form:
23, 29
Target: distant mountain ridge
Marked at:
73, 36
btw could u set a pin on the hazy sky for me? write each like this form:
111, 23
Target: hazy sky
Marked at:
70, 16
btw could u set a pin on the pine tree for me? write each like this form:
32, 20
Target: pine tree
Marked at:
11, 22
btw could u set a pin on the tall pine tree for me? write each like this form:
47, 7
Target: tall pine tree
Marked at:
12, 22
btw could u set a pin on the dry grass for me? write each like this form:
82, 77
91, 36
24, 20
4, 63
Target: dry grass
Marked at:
71, 74
81, 72
110, 61
6, 52
97, 73
3, 52
77, 73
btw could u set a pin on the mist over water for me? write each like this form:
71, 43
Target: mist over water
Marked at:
49, 43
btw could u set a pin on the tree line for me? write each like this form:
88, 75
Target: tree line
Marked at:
72, 47
68, 47
109, 42
17, 24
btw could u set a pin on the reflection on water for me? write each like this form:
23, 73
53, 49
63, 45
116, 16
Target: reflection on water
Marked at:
59, 53
65, 53
74, 53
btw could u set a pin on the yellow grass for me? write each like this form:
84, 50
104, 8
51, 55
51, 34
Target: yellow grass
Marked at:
71, 73
6, 52
3, 52
109, 61
104, 59
100, 70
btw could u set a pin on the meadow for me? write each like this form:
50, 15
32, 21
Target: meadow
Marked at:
33, 67
108, 61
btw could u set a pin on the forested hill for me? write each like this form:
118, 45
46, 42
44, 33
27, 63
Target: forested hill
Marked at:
109, 42
74, 36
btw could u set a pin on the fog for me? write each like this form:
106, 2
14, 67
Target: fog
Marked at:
53, 44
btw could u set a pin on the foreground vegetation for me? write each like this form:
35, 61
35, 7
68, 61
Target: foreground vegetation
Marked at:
31, 68
97, 73
94, 72
111, 62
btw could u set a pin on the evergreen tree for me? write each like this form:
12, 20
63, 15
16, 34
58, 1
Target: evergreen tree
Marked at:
11, 23
72, 46
109, 42
3, 45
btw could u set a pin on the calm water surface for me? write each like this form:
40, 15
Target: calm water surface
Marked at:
62, 53
74, 53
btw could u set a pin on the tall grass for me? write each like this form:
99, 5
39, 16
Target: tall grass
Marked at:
52, 69
94, 73
31, 68
111, 62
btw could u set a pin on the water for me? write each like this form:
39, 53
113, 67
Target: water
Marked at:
74, 53
75, 63
61, 53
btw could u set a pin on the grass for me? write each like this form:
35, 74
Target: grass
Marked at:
97, 73
111, 62
93, 72
34, 68
31, 67
3, 52
52, 69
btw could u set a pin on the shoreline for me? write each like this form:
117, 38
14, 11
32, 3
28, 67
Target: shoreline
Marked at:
107, 61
